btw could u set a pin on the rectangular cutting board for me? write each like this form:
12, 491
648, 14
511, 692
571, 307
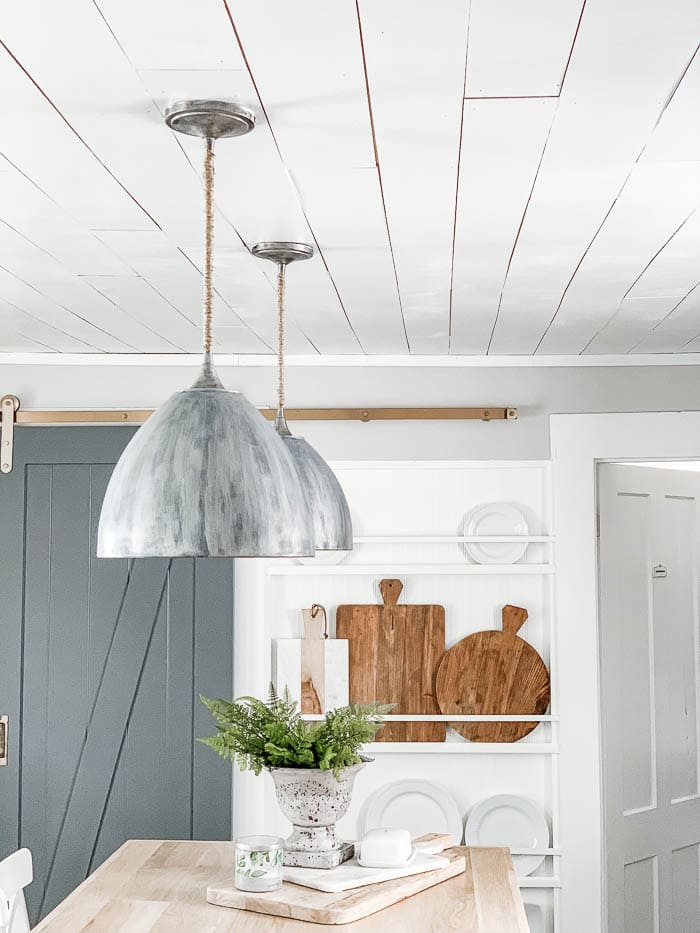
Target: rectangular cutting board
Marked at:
300, 903
394, 656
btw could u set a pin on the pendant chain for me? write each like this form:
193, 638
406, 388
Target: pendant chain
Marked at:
280, 337
208, 240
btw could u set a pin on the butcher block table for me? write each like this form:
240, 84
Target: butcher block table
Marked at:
155, 885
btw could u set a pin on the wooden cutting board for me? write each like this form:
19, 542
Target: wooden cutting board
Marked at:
394, 655
493, 672
301, 903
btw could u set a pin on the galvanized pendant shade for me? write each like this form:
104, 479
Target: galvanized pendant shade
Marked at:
332, 526
205, 476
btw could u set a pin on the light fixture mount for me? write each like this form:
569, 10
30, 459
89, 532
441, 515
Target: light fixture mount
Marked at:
210, 119
282, 252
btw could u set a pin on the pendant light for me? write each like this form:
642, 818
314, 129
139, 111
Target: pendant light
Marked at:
329, 508
205, 476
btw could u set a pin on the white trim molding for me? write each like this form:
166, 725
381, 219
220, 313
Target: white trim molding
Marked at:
578, 444
407, 361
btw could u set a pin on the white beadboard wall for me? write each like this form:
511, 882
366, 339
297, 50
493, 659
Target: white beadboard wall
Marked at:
432, 498
537, 391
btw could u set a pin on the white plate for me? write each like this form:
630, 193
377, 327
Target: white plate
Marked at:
496, 518
535, 918
418, 806
512, 821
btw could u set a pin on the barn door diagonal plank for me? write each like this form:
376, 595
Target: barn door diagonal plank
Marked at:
112, 708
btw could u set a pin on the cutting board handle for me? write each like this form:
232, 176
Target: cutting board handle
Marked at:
390, 590
315, 623
513, 618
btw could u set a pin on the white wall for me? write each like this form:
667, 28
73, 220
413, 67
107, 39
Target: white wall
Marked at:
537, 392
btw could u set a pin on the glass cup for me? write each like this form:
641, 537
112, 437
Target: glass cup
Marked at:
258, 863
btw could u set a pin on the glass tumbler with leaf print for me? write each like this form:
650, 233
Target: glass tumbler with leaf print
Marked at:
258, 863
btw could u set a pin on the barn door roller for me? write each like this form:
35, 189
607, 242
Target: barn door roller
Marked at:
8, 406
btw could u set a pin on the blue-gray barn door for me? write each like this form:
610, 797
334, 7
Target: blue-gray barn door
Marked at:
101, 666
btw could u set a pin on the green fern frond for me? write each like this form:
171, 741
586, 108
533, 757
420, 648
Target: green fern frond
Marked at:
257, 734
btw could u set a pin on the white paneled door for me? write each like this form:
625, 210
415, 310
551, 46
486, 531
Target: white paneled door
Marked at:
649, 553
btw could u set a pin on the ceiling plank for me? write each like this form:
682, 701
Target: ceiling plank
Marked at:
502, 144
676, 138
29, 211
140, 300
616, 87
677, 330
308, 68
633, 321
415, 63
127, 130
637, 228
151, 255
519, 49
16, 322
51, 311
72, 177
251, 295
653, 313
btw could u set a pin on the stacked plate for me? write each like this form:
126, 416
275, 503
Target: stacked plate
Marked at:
425, 807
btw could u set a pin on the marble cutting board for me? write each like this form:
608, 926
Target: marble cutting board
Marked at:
351, 874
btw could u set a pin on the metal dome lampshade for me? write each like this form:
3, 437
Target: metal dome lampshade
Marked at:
205, 476
332, 526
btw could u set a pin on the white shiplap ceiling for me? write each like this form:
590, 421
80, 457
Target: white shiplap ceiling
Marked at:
493, 177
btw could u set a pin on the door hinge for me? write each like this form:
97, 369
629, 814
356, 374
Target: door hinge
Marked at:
3, 740
8, 407
597, 524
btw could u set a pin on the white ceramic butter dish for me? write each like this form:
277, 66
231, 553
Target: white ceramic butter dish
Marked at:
385, 848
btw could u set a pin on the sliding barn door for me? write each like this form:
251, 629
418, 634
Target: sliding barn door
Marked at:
650, 692
101, 666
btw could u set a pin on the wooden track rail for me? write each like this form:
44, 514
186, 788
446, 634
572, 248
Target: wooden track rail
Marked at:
138, 416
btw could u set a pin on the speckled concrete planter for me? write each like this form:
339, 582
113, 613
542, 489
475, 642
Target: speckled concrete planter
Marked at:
314, 801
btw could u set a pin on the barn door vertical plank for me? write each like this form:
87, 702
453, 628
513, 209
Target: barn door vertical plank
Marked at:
213, 676
11, 599
37, 634
108, 720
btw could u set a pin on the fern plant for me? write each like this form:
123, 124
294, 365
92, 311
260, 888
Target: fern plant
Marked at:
257, 734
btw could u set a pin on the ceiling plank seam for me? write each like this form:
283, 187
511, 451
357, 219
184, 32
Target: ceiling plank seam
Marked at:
75, 132
301, 205
607, 215
519, 230
379, 169
459, 165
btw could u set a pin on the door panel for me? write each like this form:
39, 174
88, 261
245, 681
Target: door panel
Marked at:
649, 637
105, 661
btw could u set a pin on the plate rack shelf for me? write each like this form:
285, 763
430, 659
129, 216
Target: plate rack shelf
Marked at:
396, 567
399, 511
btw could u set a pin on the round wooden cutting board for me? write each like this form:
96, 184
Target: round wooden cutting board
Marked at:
491, 673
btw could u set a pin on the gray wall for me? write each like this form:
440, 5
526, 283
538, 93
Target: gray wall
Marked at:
537, 392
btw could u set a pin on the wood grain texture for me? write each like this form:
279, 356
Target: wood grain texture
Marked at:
154, 886
301, 903
493, 672
313, 674
394, 655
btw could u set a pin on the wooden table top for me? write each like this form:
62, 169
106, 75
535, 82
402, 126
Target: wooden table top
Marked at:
156, 885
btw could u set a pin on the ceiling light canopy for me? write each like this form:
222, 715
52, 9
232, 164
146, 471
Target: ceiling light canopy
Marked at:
205, 476
332, 526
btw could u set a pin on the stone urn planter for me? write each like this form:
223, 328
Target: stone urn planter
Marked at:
314, 801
